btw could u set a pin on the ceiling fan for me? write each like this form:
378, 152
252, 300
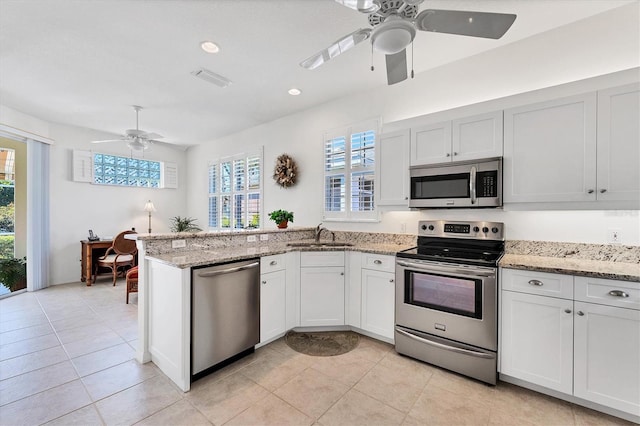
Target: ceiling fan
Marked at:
136, 139
394, 24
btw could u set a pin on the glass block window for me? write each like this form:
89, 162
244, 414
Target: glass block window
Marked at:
349, 170
235, 192
124, 171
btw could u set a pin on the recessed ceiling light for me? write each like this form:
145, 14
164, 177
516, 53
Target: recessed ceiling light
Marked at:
294, 92
209, 47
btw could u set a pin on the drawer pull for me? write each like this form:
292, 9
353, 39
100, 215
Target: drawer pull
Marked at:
580, 313
377, 262
536, 283
273, 263
567, 311
618, 293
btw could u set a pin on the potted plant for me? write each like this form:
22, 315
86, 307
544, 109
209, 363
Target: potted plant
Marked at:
13, 273
281, 217
184, 224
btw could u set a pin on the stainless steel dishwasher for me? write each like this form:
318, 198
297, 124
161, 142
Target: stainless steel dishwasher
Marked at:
225, 314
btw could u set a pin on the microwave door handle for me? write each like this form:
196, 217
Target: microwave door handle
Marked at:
472, 184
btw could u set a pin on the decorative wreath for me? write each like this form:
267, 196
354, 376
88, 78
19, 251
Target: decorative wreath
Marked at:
286, 171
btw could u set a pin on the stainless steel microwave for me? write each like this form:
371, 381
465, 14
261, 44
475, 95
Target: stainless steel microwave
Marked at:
468, 184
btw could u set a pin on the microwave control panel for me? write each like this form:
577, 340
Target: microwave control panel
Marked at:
486, 184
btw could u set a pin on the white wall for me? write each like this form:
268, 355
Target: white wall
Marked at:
77, 207
599, 45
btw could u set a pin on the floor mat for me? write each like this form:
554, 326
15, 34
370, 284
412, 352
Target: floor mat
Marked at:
322, 343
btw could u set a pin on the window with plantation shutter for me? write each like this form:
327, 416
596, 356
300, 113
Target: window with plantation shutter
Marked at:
235, 192
349, 172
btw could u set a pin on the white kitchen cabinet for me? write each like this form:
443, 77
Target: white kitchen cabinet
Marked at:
378, 292
550, 151
272, 297
584, 343
353, 291
607, 356
322, 288
392, 164
618, 147
537, 339
466, 138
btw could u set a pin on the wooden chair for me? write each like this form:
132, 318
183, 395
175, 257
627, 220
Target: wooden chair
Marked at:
121, 254
132, 281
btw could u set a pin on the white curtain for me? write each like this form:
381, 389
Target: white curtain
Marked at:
37, 215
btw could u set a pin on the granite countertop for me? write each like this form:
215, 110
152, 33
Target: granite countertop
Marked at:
188, 259
592, 260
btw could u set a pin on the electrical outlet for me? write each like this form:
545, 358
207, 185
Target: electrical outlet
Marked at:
613, 236
178, 243
264, 237
251, 238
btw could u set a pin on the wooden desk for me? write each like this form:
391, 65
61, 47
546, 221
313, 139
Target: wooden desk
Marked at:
91, 250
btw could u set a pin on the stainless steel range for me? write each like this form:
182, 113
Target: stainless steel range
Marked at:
446, 297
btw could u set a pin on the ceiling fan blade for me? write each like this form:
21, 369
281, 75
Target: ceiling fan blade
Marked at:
473, 24
169, 145
364, 6
109, 140
153, 136
396, 67
339, 46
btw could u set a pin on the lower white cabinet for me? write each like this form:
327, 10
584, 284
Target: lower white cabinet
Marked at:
607, 356
378, 302
272, 305
321, 289
537, 339
568, 344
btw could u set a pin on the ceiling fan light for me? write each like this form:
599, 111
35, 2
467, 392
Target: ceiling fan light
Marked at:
392, 36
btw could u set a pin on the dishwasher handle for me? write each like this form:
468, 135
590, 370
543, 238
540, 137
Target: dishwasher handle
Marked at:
228, 270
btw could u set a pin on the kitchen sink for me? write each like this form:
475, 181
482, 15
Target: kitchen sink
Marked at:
320, 244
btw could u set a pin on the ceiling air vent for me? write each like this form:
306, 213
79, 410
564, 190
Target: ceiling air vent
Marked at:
211, 77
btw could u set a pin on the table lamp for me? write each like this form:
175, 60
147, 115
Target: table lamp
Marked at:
149, 207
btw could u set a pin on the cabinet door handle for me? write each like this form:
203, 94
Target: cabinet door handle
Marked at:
377, 262
580, 313
273, 263
618, 293
536, 283
455, 153
391, 280
602, 191
448, 155
341, 273
264, 282
591, 191
567, 311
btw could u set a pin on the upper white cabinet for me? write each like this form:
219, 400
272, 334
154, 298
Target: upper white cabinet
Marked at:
467, 138
392, 186
550, 151
580, 148
618, 149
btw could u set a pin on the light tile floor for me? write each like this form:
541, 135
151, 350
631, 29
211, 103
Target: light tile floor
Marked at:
67, 357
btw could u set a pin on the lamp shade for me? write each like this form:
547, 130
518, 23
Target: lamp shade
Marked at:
149, 207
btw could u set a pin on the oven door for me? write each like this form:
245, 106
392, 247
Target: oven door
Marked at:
457, 302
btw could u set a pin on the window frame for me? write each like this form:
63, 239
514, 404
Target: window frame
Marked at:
349, 170
215, 198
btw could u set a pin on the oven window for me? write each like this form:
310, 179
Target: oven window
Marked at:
443, 293
440, 186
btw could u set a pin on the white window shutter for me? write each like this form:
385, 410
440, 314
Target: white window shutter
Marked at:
170, 175
82, 166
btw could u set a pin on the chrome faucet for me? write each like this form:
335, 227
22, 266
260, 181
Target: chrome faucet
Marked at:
319, 230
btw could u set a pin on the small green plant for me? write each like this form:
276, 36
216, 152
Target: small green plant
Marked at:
13, 273
184, 224
279, 216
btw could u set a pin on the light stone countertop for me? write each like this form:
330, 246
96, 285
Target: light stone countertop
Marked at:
188, 259
592, 260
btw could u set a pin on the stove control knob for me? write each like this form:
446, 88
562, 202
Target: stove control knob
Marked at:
424, 227
494, 230
431, 227
476, 229
485, 229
